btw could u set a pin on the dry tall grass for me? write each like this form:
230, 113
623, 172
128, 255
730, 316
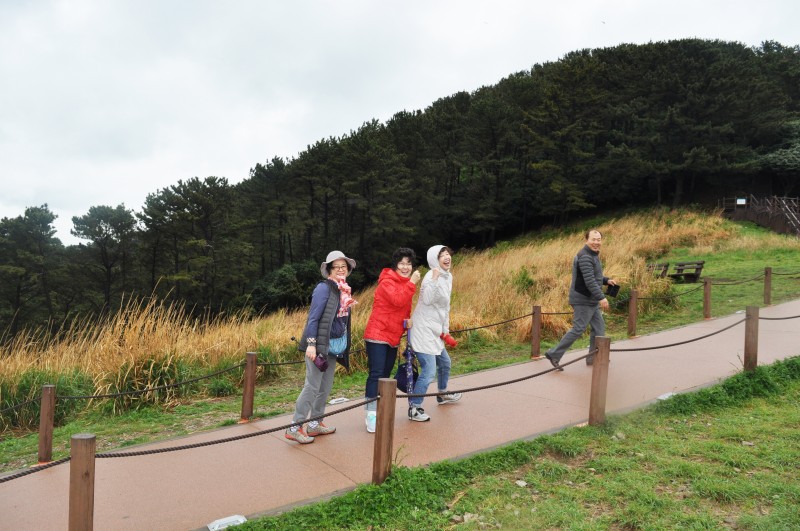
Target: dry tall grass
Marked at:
492, 286
489, 286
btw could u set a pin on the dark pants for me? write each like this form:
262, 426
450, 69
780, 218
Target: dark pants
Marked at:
380, 359
583, 316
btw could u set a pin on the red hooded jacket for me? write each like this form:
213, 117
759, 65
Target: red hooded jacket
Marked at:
392, 304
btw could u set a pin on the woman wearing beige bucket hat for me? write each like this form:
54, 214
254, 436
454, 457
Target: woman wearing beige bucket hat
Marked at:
326, 342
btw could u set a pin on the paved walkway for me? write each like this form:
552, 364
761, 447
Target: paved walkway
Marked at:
191, 488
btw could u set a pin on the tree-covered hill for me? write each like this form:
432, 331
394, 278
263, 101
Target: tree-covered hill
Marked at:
661, 123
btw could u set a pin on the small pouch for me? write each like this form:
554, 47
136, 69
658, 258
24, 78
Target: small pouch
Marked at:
321, 362
612, 291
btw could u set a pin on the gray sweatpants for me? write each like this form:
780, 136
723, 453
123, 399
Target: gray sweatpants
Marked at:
583, 316
316, 389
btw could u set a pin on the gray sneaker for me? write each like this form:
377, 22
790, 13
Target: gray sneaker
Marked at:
317, 429
298, 435
418, 414
448, 398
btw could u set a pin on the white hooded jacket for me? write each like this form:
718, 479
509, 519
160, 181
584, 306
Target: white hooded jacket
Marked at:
431, 317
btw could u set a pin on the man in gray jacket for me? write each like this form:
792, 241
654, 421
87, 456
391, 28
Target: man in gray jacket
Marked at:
586, 298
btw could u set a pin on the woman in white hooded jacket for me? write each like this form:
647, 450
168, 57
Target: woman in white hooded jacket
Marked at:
431, 328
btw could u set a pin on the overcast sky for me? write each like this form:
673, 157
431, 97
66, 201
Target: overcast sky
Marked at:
105, 101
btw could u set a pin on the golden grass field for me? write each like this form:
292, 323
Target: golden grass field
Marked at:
489, 286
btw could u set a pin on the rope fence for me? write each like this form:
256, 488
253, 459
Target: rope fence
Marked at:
235, 438
679, 342
779, 318
215, 442
499, 384
491, 325
33, 470
737, 282
268, 363
148, 389
21, 404
152, 389
673, 296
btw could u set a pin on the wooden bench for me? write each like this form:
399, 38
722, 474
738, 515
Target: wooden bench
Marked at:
688, 271
659, 270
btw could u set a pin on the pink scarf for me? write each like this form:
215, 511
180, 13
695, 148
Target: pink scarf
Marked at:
346, 299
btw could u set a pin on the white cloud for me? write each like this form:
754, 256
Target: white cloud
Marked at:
105, 102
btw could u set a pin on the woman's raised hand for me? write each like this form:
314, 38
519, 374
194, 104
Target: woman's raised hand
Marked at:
436, 272
415, 276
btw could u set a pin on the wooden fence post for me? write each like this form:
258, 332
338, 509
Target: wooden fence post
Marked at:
249, 388
81, 482
597, 398
751, 339
706, 298
633, 312
536, 332
47, 412
767, 286
384, 430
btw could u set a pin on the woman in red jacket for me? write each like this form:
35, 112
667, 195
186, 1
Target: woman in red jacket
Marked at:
392, 305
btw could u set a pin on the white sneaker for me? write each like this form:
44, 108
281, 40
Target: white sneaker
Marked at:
418, 414
448, 398
372, 417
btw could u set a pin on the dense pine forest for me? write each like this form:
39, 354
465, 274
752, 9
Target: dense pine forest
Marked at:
685, 121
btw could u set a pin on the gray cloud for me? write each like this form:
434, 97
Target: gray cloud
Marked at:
105, 102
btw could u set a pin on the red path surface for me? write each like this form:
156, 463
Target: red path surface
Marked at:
189, 489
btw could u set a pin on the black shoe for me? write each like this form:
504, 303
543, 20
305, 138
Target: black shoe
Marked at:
589, 361
553, 362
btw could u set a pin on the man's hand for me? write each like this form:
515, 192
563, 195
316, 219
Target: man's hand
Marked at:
604, 302
612, 282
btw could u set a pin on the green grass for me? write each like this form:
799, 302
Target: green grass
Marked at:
689, 462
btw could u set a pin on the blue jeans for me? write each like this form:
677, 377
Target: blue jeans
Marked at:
583, 316
431, 367
380, 360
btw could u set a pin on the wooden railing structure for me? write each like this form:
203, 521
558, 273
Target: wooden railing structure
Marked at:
780, 214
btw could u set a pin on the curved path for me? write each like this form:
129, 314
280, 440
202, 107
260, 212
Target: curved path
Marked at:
191, 488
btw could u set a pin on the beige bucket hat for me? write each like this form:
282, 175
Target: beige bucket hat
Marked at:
335, 255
